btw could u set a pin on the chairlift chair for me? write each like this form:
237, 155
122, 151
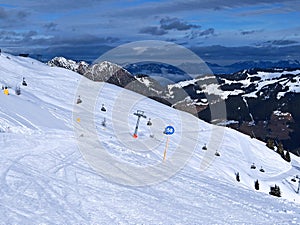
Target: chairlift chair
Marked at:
24, 82
78, 100
204, 147
149, 123
253, 166
103, 109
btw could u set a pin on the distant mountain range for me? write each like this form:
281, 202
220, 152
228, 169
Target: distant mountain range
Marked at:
235, 67
171, 73
263, 103
168, 71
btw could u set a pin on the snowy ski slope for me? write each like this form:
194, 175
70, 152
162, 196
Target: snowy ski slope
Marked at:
45, 179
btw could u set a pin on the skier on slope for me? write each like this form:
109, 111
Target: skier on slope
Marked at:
6, 92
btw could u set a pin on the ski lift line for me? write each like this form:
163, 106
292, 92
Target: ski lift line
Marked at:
209, 155
193, 131
156, 131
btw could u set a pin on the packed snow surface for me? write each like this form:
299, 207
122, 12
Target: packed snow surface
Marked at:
45, 179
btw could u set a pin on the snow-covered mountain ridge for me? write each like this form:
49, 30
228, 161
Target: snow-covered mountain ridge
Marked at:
45, 179
251, 98
79, 67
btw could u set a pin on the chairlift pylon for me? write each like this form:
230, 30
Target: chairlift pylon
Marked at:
139, 114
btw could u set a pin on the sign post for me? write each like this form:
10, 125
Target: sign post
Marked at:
169, 130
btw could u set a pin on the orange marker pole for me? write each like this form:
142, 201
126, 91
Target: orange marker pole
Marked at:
165, 152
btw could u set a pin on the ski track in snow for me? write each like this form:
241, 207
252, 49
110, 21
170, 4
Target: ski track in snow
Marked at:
44, 178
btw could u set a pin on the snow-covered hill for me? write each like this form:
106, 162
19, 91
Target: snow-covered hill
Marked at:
45, 178
251, 97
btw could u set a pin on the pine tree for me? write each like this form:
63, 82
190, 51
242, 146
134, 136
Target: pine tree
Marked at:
256, 185
237, 176
280, 150
287, 156
270, 144
275, 191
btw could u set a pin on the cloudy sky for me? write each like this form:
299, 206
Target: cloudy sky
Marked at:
217, 30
